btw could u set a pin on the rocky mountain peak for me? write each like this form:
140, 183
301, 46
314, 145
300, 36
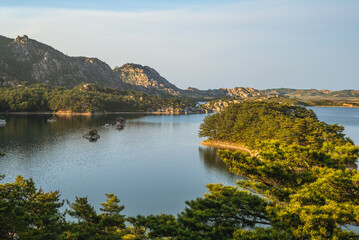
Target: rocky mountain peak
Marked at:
24, 39
25, 59
147, 77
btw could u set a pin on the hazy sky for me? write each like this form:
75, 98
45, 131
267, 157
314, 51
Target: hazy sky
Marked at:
204, 44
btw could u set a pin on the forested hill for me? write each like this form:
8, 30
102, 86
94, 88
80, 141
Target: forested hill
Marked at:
88, 98
24, 59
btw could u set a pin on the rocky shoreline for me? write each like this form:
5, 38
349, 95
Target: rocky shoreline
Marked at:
227, 145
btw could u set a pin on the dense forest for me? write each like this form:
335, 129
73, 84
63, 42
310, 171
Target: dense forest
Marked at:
300, 168
298, 186
251, 122
82, 99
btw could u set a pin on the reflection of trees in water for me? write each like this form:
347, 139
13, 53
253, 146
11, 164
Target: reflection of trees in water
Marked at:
212, 161
27, 131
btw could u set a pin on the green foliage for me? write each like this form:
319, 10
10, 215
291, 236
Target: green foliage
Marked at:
299, 167
29, 213
83, 98
157, 226
325, 102
217, 215
262, 234
297, 187
250, 122
93, 132
223, 210
221, 104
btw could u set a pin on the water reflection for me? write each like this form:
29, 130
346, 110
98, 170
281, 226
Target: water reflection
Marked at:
29, 132
213, 163
152, 164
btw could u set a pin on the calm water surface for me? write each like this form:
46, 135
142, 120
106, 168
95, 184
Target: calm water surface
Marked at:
347, 117
154, 164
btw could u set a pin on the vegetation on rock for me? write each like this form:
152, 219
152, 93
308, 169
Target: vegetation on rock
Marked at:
40, 63
144, 76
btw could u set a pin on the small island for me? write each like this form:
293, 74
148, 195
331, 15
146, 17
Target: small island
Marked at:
92, 135
296, 184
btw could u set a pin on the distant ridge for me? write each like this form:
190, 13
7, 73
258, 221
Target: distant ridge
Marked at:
314, 94
149, 78
26, 60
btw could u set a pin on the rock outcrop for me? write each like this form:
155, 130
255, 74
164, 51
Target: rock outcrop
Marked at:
146, 77
24, 59
238, 92
152, 82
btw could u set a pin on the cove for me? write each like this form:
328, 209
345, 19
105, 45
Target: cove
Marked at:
154, 164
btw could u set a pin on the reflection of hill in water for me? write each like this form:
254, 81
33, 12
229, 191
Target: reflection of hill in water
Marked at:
213, 163
27, 131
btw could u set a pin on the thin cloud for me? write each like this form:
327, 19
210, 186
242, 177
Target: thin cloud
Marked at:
252, 43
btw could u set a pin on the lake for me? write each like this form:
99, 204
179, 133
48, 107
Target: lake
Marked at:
154, 164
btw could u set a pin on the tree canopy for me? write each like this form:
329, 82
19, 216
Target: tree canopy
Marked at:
298, 186
83, 98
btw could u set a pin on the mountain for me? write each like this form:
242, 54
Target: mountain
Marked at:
150, 79
237, 92
146, 77
24, 59
314, 94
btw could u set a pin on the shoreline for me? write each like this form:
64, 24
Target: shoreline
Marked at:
335, 106
92, 114
227, 145
145, 113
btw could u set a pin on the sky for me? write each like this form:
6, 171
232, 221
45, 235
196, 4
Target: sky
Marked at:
204, 43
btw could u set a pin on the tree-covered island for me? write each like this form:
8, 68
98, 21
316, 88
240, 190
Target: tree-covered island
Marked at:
298, 186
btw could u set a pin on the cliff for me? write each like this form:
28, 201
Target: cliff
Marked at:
24, 59
146, 77
152, 82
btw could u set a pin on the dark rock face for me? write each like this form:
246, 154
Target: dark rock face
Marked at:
24, 59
